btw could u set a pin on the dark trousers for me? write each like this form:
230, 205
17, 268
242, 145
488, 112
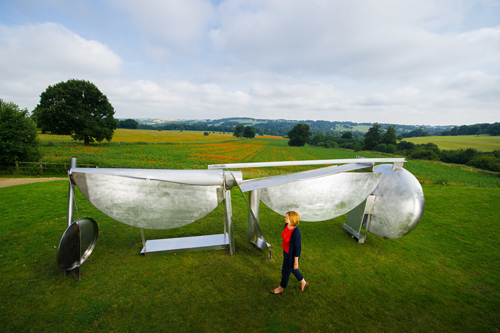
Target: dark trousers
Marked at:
286, 270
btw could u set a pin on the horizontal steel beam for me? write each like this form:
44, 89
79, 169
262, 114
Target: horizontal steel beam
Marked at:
310, 162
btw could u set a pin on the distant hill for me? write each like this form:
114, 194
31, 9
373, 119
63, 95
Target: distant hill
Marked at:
280, 126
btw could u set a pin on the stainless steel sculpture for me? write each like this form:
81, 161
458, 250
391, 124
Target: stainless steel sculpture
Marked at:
386, 200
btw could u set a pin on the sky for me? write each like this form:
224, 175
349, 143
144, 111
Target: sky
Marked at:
414, 62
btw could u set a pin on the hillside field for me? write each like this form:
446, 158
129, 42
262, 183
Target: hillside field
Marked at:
442, 277
483, 143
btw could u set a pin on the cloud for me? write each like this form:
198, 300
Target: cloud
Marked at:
35, 56
368, 40
50, 47
171, 24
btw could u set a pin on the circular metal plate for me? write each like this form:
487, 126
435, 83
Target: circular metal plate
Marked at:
399, 203
77, 243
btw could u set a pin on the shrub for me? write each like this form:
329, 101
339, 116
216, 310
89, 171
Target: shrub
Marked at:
487, 162
424, 155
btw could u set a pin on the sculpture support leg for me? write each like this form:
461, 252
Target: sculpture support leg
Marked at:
254, 198
71, 193
360, 217
228, 211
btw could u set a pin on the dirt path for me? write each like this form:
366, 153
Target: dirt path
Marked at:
4, 182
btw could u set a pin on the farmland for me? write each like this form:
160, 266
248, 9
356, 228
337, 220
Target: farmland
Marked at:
148, 136
483, 143
442, 277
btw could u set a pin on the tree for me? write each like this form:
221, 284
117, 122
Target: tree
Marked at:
206, 134
128, 123
249, 132
299, 135
77, 108
494, 129
389, 137
373, 137
238, 130
454, 131
347, 135
18, 138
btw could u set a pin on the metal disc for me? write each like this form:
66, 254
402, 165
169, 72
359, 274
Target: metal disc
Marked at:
77, 243
399, 203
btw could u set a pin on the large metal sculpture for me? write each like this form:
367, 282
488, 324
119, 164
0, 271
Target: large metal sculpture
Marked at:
386, 200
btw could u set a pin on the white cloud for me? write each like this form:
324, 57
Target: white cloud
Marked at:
36, 56
172, 24
50, 47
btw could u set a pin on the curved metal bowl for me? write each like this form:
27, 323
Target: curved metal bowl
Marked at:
399, 203
77, 243
322, 198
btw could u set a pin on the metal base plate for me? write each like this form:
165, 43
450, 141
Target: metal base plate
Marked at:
186, 244
260, 243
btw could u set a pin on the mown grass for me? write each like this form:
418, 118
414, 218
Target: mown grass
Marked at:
485, 143
442, 277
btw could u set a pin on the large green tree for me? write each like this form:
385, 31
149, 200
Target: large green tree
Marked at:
249, 132
18, 138
128, 123
77, 108
389, 137
373, 137
299, 135
238, 130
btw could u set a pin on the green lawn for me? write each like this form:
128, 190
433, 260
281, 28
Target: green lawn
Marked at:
482, 143
442, 277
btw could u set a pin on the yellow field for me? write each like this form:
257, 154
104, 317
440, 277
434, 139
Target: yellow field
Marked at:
482, 143
148, 136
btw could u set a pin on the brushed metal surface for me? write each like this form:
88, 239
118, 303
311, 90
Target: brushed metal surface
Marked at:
321, 198
399, 203
148, 204
190, 177
255, 184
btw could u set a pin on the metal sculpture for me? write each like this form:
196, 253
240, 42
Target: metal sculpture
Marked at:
385, 200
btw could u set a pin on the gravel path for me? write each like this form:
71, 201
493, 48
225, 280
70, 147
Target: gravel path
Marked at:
4, 182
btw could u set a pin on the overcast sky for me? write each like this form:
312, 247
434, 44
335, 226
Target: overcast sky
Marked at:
421, 62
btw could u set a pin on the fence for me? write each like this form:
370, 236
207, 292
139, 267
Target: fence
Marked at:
37, 168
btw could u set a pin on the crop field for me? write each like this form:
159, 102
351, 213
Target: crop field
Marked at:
200, 155
442, 277
483, 143
147, 136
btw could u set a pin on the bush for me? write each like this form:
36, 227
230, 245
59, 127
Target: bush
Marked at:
428, 155
18, 134
381, 147
358, 146
486, 162
460, 156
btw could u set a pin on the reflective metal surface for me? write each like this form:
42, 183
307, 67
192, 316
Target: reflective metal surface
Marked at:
399, 203
77, 243
321, 198
255, 184
148, 204
189, 177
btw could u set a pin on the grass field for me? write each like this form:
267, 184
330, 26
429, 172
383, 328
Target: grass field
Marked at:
147, 136
443, 277
483, 143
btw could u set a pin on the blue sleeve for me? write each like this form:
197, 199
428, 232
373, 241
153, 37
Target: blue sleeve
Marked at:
297, 243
